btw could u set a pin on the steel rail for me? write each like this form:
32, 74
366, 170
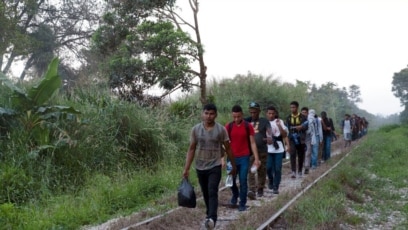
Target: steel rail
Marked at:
274, 217
147, 221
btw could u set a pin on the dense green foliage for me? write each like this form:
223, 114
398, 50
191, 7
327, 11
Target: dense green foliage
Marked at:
114, 157
37, 30
400, 89
83, 156
268, 90
141, 53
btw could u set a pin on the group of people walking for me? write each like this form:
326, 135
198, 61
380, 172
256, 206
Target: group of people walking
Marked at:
354, 127
254, 142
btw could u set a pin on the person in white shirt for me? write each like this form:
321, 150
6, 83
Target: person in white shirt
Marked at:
346, 126
275, 137
315, 131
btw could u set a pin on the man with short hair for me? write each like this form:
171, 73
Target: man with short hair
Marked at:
242, 141
328, 128
296, 138
275, 149
307, 145
207, 140
261, 125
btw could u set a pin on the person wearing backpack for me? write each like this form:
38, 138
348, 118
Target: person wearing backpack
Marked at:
297, 124
208, 139
328, 128
261, 125
242, 142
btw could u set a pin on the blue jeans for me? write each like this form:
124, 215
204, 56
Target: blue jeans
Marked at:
209, 181
274, 169
326, 147
315, 152
242, 164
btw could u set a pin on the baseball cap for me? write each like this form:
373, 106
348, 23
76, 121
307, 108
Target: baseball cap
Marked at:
254, 105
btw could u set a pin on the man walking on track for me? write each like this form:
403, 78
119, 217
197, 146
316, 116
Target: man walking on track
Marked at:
207, 140
275, 149
242, 139
261, 125
297, 137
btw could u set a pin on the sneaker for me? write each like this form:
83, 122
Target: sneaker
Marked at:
306, 171
275, 191
300, 174
251, 195
242, 208
270, 186
293, 175
209, 224
234, 200
260, 192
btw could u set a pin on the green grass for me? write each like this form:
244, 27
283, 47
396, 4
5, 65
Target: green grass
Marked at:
101, 199
371, 181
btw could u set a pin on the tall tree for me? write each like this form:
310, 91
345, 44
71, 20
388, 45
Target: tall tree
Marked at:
170, 12
143, 52
400, 86
355, 94
400, 89
37, 28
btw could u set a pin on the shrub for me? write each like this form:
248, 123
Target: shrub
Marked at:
16, 185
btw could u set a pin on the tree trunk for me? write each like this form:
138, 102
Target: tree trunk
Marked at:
28, 65
203, 68
9, 62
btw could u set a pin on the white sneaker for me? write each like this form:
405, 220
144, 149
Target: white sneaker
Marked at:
209, 223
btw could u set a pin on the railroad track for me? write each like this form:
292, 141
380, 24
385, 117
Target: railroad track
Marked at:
270, 223
185, 218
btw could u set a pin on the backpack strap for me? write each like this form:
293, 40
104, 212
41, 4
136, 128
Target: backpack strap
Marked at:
229, 129
246, 123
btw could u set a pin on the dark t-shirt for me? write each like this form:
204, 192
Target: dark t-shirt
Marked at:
260, 127
329, 123
292, 121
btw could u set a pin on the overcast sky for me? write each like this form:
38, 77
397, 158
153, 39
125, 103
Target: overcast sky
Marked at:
361, 42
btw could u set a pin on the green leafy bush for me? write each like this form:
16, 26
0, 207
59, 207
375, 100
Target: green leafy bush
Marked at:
17, 186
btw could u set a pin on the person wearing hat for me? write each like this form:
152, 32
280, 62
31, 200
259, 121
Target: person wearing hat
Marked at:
261, 125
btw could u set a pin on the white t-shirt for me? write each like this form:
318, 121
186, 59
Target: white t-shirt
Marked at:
275, 133
347, 127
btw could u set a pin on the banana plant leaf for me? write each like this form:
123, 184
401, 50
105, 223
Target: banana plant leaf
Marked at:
57, 108
6, 112
10, 84
42, 92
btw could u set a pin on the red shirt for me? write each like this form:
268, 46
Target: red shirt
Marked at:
239, 139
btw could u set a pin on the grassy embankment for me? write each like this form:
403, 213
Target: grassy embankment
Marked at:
367, 191
95, 168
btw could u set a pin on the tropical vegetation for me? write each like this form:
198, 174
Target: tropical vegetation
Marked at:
81, 140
